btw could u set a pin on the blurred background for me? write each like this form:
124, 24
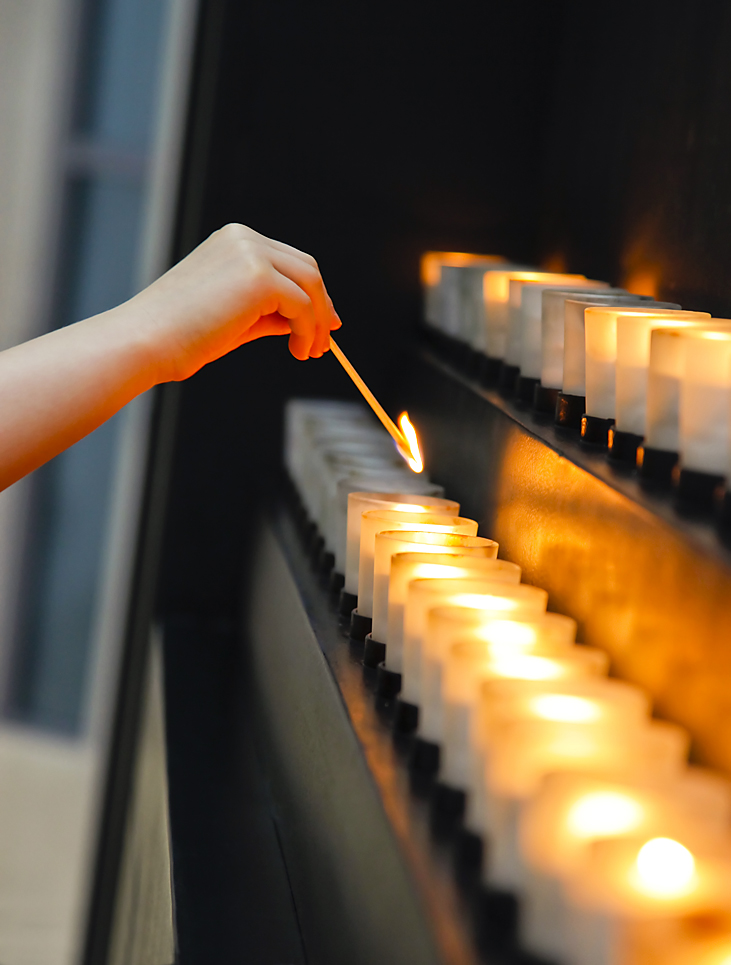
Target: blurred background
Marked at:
591, 137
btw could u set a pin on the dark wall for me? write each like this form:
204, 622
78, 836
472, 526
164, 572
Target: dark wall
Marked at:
364, 133
637, 181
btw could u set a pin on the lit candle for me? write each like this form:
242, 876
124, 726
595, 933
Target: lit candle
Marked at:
389, 543
658, 456
648, 886
571, 404
497, 306
378, 521
474, 601
553, 305
361, 502
531, 334
705, 416
428, 563
513, 341
453, 701
573, 810
373, 481
521, 753
432, 263
617, 359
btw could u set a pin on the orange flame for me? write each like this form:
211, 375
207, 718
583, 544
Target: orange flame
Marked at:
412, 454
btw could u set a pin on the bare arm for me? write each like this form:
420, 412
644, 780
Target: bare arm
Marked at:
235, 287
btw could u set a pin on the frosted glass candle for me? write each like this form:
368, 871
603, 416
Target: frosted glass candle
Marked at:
496, 290
574, 337
378, 521
617, 357
553, 305
363, 502
375, 482
705, 400
469, 663
524, 752
571, 811
515, 301
645, 887
531, 307
389, 544
578, 700
487, 602
463, 303
430, 562
662, 421
432, 263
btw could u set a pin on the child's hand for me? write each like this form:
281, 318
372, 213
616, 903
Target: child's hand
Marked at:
233, 288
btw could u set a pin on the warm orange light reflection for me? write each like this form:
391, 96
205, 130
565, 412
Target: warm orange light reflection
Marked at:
432, 261
412, 454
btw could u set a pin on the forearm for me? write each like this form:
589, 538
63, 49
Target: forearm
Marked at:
56, 389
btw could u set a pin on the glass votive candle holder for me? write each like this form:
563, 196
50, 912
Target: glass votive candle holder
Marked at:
525, 751
363, 502
469, 664
704, 415
547, 391
510, 368
571, 811
390, 543
633, 895
579, 700
472, 602
432, 263
430, 551
496, 291
454, 664
403, 481
531, 331
378, 521
571, 403
627, 338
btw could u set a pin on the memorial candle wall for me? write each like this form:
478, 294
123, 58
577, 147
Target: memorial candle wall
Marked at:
498, 708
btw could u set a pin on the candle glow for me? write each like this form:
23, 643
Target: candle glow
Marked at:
664, 869
604, 813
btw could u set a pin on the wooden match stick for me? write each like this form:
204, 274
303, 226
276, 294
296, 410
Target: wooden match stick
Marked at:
388, 423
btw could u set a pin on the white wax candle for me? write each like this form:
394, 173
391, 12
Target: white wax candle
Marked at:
469, 663
373, 481
531, 305
389, 544
432, 564
705, 399
580, 700
514, 336
432, 263
635, 888
571, 811
361, 502
472, 602
612, 385
496, 290
574, 337
523, 752
663, 390
378, 521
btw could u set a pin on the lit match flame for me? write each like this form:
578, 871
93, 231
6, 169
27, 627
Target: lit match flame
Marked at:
412, 454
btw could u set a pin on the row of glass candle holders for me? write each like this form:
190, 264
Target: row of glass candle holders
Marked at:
551, 779
643, 380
